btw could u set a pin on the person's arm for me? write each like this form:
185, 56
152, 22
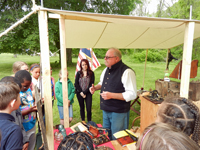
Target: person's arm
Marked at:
108, 95
98, 86
29, 110
25, 146
72, 93
78, 88
53, 87
129, 82
58, 93
25, 138
32, 87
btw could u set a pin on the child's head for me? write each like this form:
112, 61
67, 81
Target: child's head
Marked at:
19, 65
35, 70
182, 114
25, 79
11, 79
60, 74
9, 95
165, 137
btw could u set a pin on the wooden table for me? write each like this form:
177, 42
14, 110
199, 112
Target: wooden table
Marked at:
115, 143
117, 146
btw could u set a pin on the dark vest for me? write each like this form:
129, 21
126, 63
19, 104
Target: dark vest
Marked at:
112, 83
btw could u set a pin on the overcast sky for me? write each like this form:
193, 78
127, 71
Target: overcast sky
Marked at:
153, 5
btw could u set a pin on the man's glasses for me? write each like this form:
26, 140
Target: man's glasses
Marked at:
107, 57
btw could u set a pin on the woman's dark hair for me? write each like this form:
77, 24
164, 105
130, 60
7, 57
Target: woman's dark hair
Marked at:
89, 71
76, 141
183, 114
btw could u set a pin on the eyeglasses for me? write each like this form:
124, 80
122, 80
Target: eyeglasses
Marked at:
25, 87
107, 57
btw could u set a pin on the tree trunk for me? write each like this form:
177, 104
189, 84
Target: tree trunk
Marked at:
69, 55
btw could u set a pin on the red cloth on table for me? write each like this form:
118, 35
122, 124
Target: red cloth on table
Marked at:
108, 144
68, 130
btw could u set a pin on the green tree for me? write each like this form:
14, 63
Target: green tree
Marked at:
181, 10
26, 35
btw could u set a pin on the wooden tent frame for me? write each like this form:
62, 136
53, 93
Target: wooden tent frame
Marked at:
187, 55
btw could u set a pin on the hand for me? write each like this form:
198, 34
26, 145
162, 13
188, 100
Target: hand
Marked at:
69, 103
42, 100
34, 108
25, 146
92, 89
83, 95
106, 95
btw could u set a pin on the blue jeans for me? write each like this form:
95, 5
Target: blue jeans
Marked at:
60, 110
115, 122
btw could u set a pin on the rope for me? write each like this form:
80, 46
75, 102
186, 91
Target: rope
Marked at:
35, 8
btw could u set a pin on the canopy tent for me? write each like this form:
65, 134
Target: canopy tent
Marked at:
79, 29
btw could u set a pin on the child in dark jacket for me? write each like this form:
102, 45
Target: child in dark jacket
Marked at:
11, 133
59, 96
17, 113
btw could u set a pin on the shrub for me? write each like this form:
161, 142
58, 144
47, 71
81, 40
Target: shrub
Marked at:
152, 56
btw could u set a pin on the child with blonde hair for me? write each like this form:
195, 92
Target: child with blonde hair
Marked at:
19, 65
162, 136
59, 96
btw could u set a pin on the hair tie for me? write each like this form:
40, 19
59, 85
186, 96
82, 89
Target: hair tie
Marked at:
184, 100
34, 67
144, 137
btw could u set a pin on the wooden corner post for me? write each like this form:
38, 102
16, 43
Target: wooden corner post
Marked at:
64, 70
46, 80
187, 56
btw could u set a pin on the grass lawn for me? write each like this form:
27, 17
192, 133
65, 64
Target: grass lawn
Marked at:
154, 71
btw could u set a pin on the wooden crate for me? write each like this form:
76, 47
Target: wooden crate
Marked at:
162, 87
194, 92
172, 88
148, 113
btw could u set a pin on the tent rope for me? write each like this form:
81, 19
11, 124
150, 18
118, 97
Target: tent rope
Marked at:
35, 8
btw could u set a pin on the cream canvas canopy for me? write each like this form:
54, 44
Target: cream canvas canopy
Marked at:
104, 31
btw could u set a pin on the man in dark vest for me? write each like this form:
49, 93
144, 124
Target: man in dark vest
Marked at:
118, 88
